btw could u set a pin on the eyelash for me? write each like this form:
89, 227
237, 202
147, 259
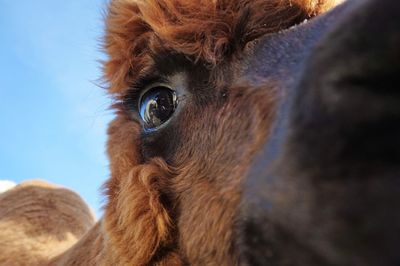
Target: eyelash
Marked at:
131, 98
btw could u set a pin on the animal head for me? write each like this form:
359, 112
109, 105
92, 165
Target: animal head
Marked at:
241, 137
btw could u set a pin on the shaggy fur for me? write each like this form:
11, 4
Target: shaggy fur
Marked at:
39, 221
209, 30
161, 210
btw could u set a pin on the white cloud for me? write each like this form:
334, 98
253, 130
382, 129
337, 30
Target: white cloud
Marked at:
6, 185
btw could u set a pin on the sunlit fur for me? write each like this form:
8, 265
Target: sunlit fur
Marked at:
39, 221
209, 30
157, 213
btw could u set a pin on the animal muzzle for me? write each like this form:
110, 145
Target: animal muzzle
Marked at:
325, 189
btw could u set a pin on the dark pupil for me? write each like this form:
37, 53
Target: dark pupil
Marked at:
156, 106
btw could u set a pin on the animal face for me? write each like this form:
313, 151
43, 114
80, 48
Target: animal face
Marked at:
240, 140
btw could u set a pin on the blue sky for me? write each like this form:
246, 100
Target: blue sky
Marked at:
53, 116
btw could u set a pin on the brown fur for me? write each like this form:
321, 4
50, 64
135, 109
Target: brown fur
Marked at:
39, 221
157, 213
208, 30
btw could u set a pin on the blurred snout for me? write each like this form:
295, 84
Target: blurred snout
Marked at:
325, 190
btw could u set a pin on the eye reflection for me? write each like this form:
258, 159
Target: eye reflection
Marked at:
156, 106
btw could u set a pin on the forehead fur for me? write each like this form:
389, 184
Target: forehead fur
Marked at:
211, 31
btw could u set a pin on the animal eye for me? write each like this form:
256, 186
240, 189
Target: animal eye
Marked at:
156, 106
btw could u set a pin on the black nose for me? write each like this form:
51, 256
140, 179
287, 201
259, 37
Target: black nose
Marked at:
326, 188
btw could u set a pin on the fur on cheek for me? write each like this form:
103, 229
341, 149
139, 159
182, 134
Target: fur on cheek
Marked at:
137, 222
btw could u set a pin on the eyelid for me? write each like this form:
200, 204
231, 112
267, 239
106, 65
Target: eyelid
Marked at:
143, 82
